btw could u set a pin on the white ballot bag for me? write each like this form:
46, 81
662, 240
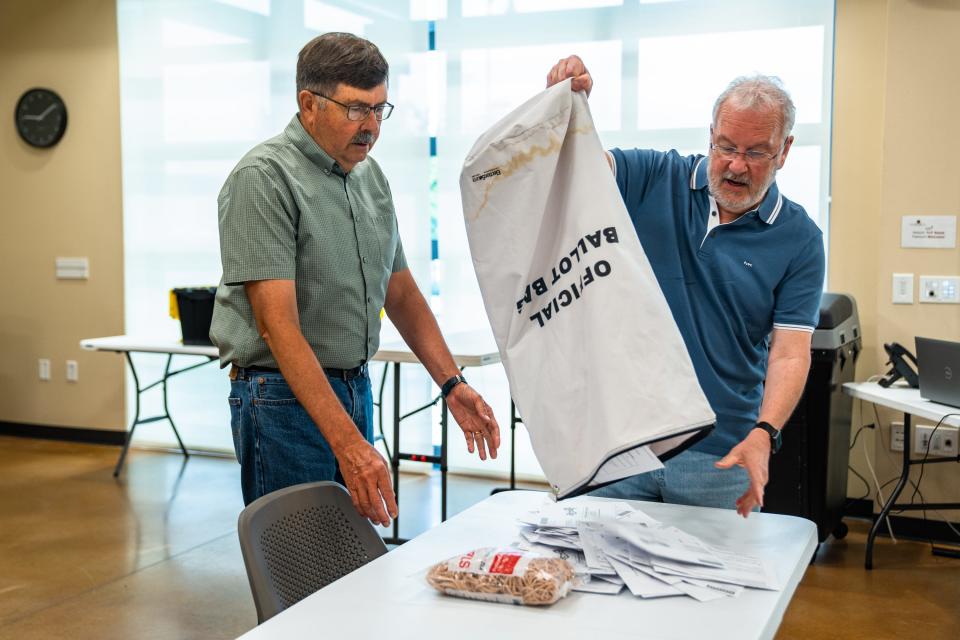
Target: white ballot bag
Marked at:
596, 364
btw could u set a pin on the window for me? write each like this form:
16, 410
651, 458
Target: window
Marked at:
202, 81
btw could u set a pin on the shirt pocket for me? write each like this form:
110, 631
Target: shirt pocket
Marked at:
385, 226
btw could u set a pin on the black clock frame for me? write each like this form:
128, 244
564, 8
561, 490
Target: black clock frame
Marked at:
63, 125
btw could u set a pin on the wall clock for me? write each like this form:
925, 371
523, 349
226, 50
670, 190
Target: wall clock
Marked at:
41, 117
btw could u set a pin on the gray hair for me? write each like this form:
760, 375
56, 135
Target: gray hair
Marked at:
759, 92
334, 58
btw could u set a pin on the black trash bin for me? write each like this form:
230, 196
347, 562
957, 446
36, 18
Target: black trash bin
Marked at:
808, 477
195, 310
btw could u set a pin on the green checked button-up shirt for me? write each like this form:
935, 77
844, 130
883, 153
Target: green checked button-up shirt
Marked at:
287, 212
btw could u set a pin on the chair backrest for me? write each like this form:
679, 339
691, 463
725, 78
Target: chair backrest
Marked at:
300, 539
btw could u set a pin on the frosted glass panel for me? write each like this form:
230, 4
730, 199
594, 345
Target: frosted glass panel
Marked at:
475, 8
204, 80
696, 73
227, 102
488, 94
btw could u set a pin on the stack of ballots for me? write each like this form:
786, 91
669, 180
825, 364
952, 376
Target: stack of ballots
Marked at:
611, 544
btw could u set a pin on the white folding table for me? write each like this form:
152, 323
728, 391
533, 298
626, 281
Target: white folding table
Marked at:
469, 349
133, 344
903, 398
389, 597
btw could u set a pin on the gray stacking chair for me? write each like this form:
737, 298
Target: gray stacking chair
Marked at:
300, 539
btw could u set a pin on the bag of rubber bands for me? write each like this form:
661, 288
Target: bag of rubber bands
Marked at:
503, 575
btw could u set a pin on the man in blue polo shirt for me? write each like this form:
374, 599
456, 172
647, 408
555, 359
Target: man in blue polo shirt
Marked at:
742, 269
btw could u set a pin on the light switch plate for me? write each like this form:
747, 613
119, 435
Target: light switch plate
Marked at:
73, 371
903, 288
73, 268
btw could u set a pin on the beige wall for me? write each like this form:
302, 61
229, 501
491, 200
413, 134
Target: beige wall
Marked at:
64, 201
894, 154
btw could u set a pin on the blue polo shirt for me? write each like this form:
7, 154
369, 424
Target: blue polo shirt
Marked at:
727, 285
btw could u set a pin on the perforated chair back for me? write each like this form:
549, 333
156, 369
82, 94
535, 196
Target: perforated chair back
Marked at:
300, 539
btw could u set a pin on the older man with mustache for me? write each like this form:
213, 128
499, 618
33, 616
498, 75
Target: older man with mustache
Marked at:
742, 268
311, 253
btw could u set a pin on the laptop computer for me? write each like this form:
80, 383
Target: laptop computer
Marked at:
939, 365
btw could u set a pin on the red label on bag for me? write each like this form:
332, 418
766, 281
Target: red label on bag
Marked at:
504, 563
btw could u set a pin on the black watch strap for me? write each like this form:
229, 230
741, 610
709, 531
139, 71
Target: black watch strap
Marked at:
451, 383
776, 439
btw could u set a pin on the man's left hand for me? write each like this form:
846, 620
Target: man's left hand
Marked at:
475, 418
753, 454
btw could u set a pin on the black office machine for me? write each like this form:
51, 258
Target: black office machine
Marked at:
808, 477
899, 367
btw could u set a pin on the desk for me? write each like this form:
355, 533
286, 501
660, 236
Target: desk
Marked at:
390, 598
469, 349
908, 401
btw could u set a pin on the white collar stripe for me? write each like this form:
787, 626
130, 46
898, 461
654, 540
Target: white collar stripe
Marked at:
776, 209
693, 174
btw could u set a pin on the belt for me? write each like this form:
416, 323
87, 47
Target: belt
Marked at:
332, 372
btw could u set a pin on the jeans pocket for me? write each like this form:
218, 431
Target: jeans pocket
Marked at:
235, 409
273, 390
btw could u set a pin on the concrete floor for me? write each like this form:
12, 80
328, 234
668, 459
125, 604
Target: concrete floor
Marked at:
155, 554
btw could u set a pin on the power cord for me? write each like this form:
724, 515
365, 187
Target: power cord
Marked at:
916, 485
865, 484
873, 474
855, 472
880, 487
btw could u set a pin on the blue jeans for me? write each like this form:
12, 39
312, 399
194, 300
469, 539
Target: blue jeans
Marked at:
689, 478
276, 441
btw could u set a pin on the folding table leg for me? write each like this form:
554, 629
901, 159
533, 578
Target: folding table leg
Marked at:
443, 460
166, 410
136, 417
395, 458
888, 505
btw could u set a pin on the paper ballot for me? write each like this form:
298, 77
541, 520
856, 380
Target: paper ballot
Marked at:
596, 364
616, 544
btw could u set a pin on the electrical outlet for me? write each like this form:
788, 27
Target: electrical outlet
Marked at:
942, 442
43, 368
896, 436
948, 443
73, 371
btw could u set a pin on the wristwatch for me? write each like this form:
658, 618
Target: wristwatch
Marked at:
776, 440
451, 383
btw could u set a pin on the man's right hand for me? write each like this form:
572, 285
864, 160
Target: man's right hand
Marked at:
365, 472
571, 67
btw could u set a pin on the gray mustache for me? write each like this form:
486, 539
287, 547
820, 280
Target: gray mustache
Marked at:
364, 137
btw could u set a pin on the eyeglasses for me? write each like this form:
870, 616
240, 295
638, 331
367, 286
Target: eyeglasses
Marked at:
358, 112
752, 157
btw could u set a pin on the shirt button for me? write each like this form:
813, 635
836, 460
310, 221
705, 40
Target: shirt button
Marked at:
369, 299
364, 259
713, 213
